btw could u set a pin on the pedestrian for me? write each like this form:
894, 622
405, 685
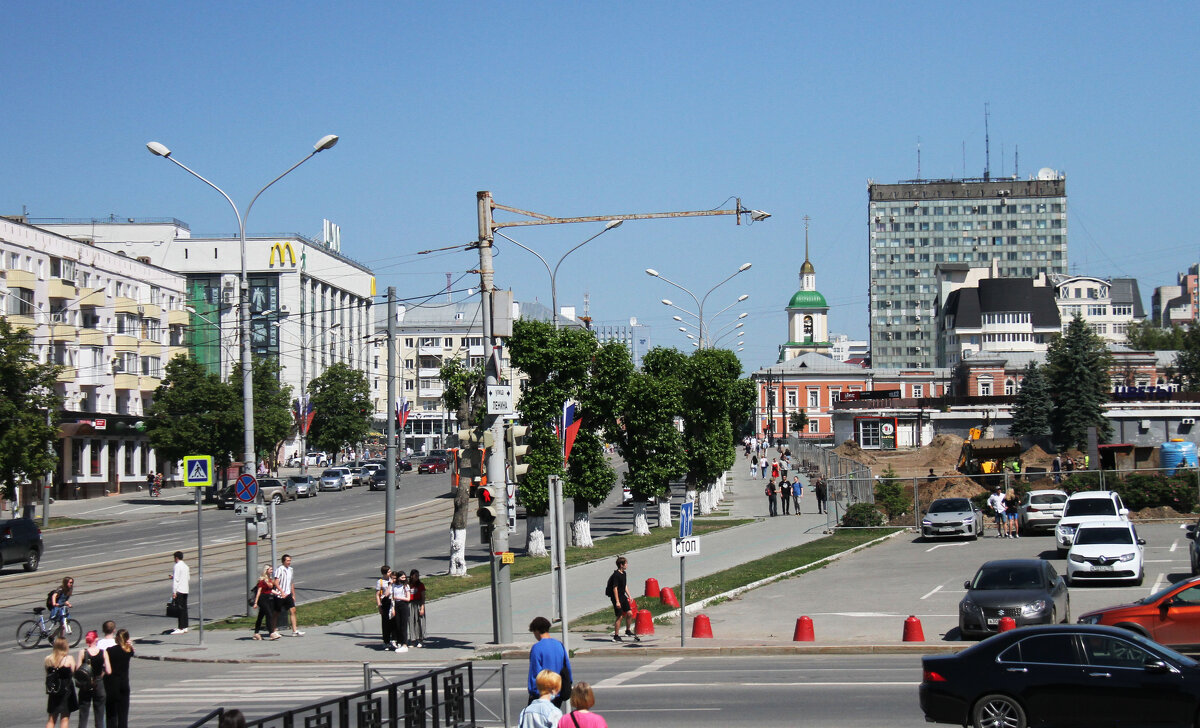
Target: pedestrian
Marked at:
264, 601
549, 654
400, 598
60, 598
797, 492
232, 718
180, 576
383, 600
762, 466
542, 712
774, 468
785, 463
785, 496
416, 609
931, 478
1069, 466
92, 697
772, 498
150, 483
618, 593
158, 481
60, 688
581, 715
117, 684
754, 465
995, 501
822, 493
108, 637
1011, 509
287, 590
1056, 468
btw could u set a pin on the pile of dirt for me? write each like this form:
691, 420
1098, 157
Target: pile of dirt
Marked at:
951, 487
942, 453
850, 450
1161, 513
1037, 457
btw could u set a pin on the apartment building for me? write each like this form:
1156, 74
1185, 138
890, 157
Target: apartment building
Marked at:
111, 322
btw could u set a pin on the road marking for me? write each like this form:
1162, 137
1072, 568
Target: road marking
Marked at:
624, 677
936, 589
1174, 545
931, 548
133, 510
97, 510
1158, 582
1161, 561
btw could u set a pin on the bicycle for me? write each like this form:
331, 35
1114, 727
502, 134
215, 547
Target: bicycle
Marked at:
33, 631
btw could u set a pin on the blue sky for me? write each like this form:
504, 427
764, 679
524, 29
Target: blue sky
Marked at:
608, 108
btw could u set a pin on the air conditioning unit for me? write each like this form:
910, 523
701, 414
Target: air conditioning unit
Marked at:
1188, 421
1144, 424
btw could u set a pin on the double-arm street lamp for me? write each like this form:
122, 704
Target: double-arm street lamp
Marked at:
325, 142
699, 314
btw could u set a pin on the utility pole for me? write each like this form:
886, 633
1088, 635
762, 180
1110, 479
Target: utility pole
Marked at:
501, 576
389, 499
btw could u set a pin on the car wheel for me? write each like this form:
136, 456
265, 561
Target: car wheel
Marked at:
1141, 577
276, 499
998, 711
1067, 616
1068, 580
1062, 553
1054, 616
32, 559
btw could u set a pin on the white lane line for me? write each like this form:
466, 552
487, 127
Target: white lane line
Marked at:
97, 510
1158, 583
624, 677
133, 510
1163, 561
935, 590
1174, 544
761, 685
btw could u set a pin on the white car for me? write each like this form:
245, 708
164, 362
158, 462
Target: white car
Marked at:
1041, 510
1087, 507
1106, 550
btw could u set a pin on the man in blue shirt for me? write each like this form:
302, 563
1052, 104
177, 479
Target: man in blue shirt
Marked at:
548, 653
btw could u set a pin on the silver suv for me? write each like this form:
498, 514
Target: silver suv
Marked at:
1085, 507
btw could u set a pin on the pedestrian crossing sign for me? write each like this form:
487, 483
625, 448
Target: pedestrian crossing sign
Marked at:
198, 471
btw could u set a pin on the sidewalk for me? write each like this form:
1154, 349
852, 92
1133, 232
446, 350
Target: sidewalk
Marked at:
462, 624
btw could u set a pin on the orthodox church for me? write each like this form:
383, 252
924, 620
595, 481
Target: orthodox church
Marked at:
807, 313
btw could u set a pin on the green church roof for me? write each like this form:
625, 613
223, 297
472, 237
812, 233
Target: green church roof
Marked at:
808, 299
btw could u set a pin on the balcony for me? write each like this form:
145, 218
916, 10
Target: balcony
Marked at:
146, 347
126, 305
62, 289
124, 342
92, 337
429, 392
20, 279
475, 350
429, 351
22, 322
63, 332
125, 381
150, 310
174, 351
428, 373
66, 376
92, 297
148, 384
178, 317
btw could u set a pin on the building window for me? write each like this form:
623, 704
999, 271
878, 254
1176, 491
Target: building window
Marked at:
1010, 386
20, 302
868, 433
835, 394
918, 390
814, 427
792, 398
985, 387
448, 342
814, 398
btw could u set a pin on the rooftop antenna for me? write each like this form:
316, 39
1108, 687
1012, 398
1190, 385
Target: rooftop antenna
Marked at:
964, 158
987, 145
1001, 160
586, 318
449, 295
1016, 160
918, 157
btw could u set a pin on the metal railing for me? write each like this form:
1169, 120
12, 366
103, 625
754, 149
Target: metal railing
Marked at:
443, 698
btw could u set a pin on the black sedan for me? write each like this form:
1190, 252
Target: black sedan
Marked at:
1028, 590
1076, 675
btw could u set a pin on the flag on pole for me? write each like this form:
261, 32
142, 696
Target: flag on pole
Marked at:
402, 408
570, 428
304, 414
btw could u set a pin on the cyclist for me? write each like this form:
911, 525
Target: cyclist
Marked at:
156, 488
60, 599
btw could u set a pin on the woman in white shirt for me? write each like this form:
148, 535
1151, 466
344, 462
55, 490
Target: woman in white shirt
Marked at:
401, 596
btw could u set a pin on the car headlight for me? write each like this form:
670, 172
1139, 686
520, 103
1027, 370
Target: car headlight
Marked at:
1033, 608
1091, 619
968, 519
1066, 530
926, 523
1076, 558
967, 606
1128, 557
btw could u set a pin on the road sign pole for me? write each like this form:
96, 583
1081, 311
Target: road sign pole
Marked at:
274, 533
199, 565
682, 599
251, 560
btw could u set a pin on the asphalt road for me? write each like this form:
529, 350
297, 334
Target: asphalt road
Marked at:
846, 691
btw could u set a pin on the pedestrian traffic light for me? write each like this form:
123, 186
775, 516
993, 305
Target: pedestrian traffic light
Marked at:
515, 449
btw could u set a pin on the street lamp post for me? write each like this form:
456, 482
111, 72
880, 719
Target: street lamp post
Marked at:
700, 301
303, 413
325, 142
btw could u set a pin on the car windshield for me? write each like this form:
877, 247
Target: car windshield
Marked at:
1090, 507
269, 483
950, 505
1007, 577
1115, 534
298, 478
331, 474
1046, 499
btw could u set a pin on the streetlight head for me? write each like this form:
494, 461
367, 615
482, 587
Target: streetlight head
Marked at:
158, 150
743, 297
190, 309
677, 318
759, 215
326, 142
743, 266
683, 329
335, 325
667, 302
690, 336
613, 224
652, 272
743, 315
740, 325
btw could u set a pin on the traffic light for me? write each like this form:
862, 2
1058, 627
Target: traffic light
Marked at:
515, 449
487, 512
471, 460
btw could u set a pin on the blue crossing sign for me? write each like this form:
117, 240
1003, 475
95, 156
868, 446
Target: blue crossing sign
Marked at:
198, 471
685, 520
246, 488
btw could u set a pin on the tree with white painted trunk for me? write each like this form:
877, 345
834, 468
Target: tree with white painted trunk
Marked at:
709, 392
463, 390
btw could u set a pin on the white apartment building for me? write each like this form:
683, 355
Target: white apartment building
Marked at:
112, 322
310, 306
1107, 305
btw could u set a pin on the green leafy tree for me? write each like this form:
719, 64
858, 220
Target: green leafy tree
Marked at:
1145, 336
195, 413
798, 421
1033, 409
741, 407
273, 419
1077, 374
463, 390
1186, 369
27, 394
342, 408
706, 389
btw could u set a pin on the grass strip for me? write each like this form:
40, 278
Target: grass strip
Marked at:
64, 522
438, 586
737, 576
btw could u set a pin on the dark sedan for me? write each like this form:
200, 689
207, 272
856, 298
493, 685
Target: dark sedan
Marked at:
1076, 675
1028, 590
433, 465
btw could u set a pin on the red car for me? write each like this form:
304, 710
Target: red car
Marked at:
1170, 616
433, 465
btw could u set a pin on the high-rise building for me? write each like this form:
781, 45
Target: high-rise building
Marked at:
1020, 225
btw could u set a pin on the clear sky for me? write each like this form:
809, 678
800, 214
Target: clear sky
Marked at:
569, 108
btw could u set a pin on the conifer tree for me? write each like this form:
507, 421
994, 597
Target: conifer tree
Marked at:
1032, 411
1077, 372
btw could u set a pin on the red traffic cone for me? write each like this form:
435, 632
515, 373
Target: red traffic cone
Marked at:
667, 596
804, 630
645, 623
701, 628
1007, 623
652, 588
912, 630
633, 605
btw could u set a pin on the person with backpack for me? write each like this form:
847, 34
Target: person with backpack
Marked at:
548, 654
61, 700
90, 675
772, 499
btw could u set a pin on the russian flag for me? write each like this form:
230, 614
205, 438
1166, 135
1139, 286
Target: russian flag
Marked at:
570, 428
304, 414
402, 408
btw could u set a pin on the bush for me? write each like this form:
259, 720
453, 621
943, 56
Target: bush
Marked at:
1141, 490
862, 515
889, 495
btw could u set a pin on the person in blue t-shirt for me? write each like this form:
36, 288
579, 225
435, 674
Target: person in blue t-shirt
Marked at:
548, 653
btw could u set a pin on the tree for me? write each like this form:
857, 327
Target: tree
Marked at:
463, 390
1186, 369
1033, 410
195, 413
341, 400
273, 419
1145, 336
798, 421
708, 379
742, 397
27, 394
1077, 374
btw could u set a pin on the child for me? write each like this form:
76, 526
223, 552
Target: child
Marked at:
541, 713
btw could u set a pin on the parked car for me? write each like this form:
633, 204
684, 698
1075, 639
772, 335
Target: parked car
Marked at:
1193, 548
1170, 616
1028, 590
1085, 506
362, 476
433, 464
1106, 550
379, 480
20, 543
1078, 675
334, 479
276, 490
952, 517
306, 485
1041, 510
